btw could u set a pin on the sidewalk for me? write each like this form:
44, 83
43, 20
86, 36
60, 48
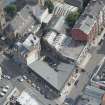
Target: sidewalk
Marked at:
68, 88
98, 38
85, 61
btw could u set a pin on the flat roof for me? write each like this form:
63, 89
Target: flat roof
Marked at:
91, 96
85, 23
65, 45
22, 99
71, 48
57, 23
22, 21
38, 10
31, 41
88, 100
56, 78
28, 44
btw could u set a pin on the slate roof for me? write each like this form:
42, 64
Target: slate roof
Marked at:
55, 78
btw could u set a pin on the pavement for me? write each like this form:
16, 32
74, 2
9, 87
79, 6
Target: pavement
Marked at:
9, 67
66, 91
85, 61
13, 70
97, 55
98, 38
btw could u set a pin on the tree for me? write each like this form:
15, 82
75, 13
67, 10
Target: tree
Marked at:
11, 9
48, 4
72, 17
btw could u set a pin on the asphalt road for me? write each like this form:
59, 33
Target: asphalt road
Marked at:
97, 54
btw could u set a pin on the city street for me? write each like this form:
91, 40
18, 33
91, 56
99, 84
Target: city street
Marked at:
97, 55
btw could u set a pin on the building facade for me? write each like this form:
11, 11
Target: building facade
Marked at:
28, 51
2, 18
91, 22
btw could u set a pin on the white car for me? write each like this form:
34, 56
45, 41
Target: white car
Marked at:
2, 94
25, 77
3, 38
20, 79
4, 90
7, 77
6, 87
33, 85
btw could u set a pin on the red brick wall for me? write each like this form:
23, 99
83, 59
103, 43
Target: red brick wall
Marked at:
93, 33
77, 34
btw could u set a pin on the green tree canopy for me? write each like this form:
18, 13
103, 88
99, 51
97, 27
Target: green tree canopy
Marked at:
11, 9
72, 17
48, 4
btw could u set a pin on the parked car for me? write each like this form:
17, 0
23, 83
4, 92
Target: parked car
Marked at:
101, 42
33, 85
38, 88
4, 90
25, 77
6, 87
69, 101
20, 79
7, 77
2, 94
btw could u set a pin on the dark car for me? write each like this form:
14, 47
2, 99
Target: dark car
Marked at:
101, 42
69, 101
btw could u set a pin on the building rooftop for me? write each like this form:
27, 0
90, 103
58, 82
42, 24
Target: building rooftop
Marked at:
28, 44
27, 97
38, 10
23, 21
55, 73
88, 100
41, 13
72, 49
67, 46
85, 23
30, 41
89, 16
57, 23
91, 96
78, 3
63, 9
32, 95
14, 71
23, 92
94, 7
4, 3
